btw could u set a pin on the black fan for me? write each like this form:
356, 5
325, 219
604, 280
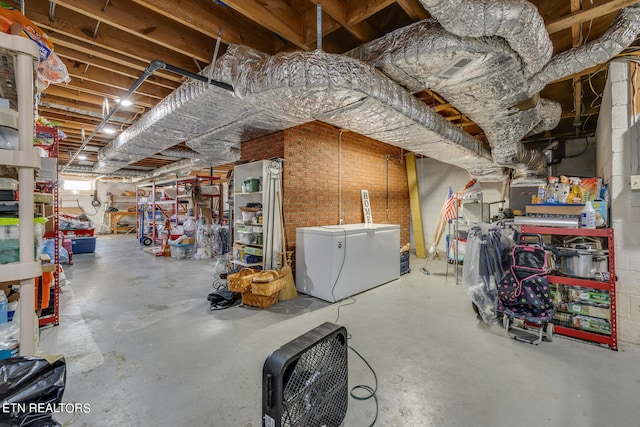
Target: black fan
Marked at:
304, 382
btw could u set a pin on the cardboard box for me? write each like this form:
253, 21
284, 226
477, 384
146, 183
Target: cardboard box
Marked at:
43, 198
48, 213
574, 210
6, 286
588, 310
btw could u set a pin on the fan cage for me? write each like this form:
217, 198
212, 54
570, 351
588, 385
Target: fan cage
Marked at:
308, 386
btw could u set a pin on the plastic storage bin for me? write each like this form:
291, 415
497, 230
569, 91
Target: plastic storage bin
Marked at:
10, 239
404, 263
8, 184
181, 251
83, 245
244, 237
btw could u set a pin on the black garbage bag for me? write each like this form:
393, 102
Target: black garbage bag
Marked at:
30, 389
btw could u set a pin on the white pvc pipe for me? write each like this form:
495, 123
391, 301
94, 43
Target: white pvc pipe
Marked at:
24, 85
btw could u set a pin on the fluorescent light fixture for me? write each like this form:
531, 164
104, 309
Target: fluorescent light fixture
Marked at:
124, 102
110, 131
82, 157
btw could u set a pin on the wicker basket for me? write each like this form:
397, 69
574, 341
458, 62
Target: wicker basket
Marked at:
267, 283
260, 301
240, 281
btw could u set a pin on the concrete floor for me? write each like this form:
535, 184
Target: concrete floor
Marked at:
143, 349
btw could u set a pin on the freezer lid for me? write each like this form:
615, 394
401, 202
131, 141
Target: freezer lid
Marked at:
341, 230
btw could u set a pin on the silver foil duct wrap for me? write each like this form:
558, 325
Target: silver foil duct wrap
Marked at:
489, 87
619, 36
176, 118
481, 64
181, 165
550, 114
352, 95
517, 21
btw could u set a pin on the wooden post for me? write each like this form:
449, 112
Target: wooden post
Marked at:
414, 201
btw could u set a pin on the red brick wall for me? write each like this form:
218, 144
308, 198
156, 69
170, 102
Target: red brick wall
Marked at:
263, 148
310, 179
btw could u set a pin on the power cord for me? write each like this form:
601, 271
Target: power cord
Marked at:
348, 301
344, 257
370, 392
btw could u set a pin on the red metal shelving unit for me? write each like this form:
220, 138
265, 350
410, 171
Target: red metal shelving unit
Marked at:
54, 317
610, 286
149, 227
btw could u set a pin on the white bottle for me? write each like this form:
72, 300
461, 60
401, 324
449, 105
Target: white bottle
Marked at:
588, 216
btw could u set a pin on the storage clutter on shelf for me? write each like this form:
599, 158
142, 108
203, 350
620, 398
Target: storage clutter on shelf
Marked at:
573, 196
75, 222
9, 197
581, 308
252, 213
252, 185
583, 282
10, 239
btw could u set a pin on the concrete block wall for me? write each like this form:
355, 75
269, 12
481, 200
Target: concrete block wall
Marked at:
614, 135
324, 169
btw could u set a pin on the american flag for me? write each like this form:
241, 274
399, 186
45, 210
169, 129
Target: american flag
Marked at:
450, 208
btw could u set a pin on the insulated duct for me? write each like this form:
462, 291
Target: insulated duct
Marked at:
481, 78
181, 154
181, 165
619, 36
350, 94
176, 118
88, 170
482, 63
210, 118
550, 113
487, 79
516, 21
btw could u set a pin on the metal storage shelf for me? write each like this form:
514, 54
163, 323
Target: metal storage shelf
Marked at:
18, 66
178, 204
584, 283
610, 286
54, 317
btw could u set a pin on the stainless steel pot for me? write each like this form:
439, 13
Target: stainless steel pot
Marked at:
583, 263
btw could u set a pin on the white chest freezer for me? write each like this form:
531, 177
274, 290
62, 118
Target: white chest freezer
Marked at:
334, 262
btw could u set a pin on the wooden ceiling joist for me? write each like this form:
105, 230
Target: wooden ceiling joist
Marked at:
107, 45
338, 11
277, 16
75, 25
120, 61
79, 57
145, 24
208, 18
578, 17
